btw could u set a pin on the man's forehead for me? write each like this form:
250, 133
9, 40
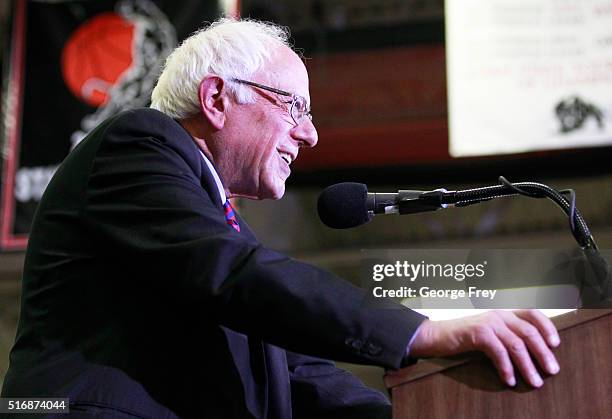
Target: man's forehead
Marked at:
286, 71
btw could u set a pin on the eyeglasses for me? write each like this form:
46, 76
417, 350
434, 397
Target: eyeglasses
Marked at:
299, 105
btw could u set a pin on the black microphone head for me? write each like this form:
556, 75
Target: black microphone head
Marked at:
343, 205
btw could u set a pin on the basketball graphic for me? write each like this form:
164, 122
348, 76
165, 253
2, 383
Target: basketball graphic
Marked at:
111, 61
96, 55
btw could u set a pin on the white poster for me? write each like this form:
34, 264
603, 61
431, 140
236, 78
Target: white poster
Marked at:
527, 75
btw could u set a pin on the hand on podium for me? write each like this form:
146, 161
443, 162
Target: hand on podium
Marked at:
506, 337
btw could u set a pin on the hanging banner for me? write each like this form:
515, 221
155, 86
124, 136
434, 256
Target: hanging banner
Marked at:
71, 65
528, 75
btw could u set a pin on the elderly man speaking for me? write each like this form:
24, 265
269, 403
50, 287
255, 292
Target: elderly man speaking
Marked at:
146, 296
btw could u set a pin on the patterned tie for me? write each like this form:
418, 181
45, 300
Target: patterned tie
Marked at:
230, 215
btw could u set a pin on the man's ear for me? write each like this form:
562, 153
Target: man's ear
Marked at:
213, 100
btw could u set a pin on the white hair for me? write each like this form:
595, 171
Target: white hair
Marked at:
227, 48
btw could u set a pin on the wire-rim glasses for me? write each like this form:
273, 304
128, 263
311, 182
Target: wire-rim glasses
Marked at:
299, 105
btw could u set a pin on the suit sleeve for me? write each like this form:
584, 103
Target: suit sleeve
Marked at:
144, 202
320, 389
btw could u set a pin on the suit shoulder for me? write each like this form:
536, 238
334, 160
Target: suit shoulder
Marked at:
147, 122
145, 125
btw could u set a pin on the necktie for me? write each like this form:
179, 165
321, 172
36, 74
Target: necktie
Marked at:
230, 215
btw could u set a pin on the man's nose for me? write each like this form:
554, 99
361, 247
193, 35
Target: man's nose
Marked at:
305, 133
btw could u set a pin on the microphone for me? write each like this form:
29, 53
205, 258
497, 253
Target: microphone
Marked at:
349, 204
344, 205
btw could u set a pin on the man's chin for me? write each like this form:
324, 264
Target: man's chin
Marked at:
275, 190
275, 193
278, 193
266, 190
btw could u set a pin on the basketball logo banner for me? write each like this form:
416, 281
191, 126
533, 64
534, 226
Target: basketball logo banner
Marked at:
71, 65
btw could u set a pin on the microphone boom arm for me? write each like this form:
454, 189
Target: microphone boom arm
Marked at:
578, 225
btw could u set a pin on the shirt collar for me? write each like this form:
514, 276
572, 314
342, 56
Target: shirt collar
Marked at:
216, 177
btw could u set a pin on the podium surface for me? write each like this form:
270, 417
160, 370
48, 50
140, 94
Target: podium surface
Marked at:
468, 386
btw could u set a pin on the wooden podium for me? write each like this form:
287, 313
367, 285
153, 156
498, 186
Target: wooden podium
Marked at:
469, 387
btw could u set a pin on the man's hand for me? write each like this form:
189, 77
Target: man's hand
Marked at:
504, 336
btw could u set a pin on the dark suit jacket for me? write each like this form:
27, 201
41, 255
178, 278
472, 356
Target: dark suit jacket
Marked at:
138, 298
